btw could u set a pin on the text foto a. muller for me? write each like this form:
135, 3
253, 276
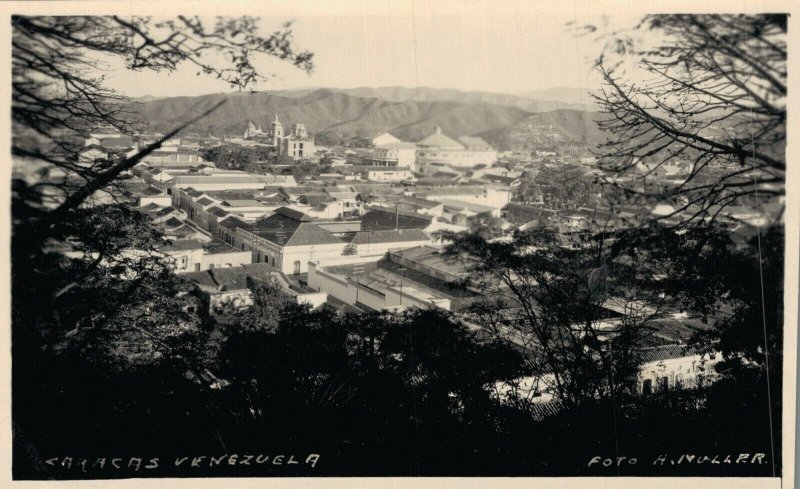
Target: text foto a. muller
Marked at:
136, 464
682, 459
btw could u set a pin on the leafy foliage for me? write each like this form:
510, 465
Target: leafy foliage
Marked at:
257, 159
547, 293
565, 187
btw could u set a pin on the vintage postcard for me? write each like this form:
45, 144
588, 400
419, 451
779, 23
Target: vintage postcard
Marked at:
399, 243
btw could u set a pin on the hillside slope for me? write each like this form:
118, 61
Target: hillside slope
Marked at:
333, 110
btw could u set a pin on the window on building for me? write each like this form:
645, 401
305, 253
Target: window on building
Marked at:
196, 267
297, 267
647, 387
679, 381
663, 383
210, 266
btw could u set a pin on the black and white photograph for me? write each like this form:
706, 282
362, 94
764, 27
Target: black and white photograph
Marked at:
400, 240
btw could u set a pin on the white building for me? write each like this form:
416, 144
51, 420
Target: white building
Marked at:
438, 152
190, 255
384, 138
399, 154
386, 174
287, 240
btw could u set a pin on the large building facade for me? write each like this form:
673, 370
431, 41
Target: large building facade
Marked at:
438, 152
296, 145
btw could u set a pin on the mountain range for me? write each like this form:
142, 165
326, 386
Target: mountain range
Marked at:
408, 113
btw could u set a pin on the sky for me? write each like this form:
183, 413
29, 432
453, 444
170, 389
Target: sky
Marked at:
504, 52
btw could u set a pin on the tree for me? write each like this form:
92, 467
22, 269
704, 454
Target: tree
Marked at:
270, 304
715, 97
528, 191
547, 293
736, 285
360, 387
304, 169
329, 138
565, 187
95, 299
258, 159
56, 98
486, 225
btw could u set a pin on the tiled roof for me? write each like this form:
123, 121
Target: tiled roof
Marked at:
217, 211
317, 199
205, 201
233, 222
389, 236
462, 205
497, 178
459, 190
203, 278
382, 218
182, 232
183, 245
393, 211
305, 189
661, 353
150, 191
165, 211
223, 279
231, 194
433, 258
541, 410
172, 223
149, 207
235, 278
475, 143
272, 199
119, 142
440, 141
241, 203
385, 169
260, 271
293, 214
437, 180
289, 232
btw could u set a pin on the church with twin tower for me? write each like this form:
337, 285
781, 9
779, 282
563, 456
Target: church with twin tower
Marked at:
296, 145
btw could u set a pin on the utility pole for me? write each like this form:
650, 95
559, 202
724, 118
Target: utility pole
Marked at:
402, 276
396, 216
359, 269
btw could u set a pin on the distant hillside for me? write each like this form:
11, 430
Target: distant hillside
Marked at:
570, 125
363, 112
428, 94
567, 95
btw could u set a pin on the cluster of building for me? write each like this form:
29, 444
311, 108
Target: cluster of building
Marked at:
387, 158
363, 236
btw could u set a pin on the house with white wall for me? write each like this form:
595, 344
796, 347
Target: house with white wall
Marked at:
288, 240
